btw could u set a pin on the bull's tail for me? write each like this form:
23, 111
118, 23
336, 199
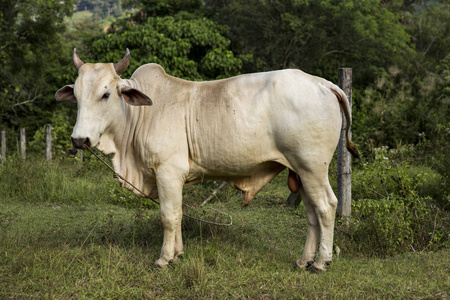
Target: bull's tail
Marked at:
343, 101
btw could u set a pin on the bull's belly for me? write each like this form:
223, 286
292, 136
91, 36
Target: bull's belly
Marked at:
237, 161
249, 178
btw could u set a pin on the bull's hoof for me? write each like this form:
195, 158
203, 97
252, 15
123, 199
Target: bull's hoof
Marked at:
156, 267
162, 263
316, 268
302, 266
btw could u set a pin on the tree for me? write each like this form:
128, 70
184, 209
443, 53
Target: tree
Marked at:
186, 46
161, 8
405, 106
316, 36
29, 58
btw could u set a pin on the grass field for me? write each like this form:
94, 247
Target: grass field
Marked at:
61, 237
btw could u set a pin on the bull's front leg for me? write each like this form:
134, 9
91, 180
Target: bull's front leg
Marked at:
170, 198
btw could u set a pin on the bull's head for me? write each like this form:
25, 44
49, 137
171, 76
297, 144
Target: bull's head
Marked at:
99, 92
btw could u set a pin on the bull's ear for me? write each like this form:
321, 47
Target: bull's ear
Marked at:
66, 93
135, 97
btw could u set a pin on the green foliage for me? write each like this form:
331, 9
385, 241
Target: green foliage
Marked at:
101, 8
29, 53
61, 130
159, 8
429, 27
427, 160
187, 47
317, 37
403, 104
394, 112
391, 211
434, 150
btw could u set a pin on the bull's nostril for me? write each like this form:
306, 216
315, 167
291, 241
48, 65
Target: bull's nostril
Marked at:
81, 143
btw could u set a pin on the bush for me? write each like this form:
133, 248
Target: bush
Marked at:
392, 209
392, 172
61, 130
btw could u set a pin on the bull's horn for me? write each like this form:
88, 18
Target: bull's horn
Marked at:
76, 60
121, 66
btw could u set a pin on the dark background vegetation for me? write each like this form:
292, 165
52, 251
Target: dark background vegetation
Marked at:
399, 52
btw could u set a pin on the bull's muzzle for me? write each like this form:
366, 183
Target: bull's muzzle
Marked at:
81, 143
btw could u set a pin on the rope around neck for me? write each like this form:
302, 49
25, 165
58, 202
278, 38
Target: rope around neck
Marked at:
117, 175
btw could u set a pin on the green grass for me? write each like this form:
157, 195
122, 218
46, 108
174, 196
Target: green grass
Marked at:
66, 247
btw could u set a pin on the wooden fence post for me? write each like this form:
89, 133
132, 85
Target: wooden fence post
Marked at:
344, 159
48, 142
23, 141
3, 142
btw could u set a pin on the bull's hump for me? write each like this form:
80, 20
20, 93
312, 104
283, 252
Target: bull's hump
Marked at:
149, 70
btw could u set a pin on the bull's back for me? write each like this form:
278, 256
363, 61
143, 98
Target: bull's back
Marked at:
236, 124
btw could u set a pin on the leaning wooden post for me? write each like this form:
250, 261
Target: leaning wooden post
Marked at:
48, 142
3, 139
23, 141
344, 159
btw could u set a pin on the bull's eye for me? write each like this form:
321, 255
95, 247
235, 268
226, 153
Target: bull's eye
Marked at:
105, 96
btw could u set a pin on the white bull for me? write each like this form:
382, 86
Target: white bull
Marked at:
244, 130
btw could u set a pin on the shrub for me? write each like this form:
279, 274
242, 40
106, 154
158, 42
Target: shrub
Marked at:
393, 172
61, 130
391, 211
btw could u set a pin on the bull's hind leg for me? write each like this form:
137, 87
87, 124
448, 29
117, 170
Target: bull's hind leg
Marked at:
178, 251
320, 203
313, 235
